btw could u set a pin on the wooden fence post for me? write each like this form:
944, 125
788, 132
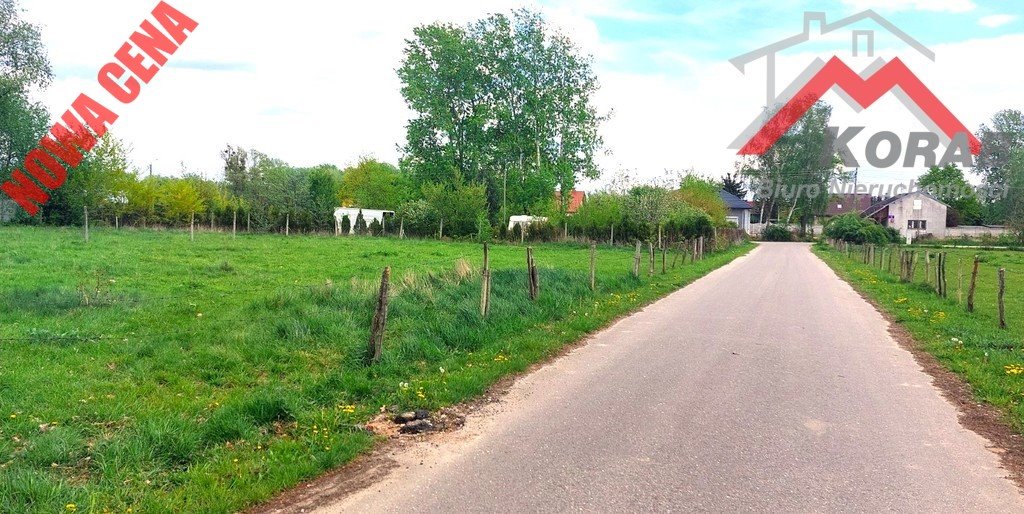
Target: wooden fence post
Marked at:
234, 223
380, 317
612, 243
973, 285
440, 230
959, 281
663, 268
401, 228
485, 284
593, 266
650, 251
927, 267
533, 283
1002, 292
192, 227
636, 260
535, 277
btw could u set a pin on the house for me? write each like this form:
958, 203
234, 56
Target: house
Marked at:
369, 215
847, 204
576, 199
912, 214
737, 210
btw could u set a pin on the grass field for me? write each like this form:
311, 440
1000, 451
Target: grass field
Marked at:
991, 360
145, 372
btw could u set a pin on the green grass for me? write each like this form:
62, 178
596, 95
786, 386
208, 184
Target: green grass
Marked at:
970, 344
148, 372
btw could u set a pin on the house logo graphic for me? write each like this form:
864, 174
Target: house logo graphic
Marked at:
860, 91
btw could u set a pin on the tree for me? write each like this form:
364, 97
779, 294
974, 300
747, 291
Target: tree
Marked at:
704, 195
949, 186
96, 185
505, 102
372, 184
792, 177
650, 206
456, 206
323, 195
236, 171
733, 184
360, 227
998, 163
24, 68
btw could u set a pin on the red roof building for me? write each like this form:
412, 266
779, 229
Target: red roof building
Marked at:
575, 200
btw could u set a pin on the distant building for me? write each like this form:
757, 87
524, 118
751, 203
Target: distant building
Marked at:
353, 212
914, 214
738, 210
847, 204
576, 199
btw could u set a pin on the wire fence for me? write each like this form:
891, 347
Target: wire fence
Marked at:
99, 292
931, 268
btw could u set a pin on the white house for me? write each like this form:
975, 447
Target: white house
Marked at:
913, 214
353, 212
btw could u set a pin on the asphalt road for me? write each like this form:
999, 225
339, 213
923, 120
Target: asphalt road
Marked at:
769, 385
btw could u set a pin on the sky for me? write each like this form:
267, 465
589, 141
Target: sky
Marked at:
314, 82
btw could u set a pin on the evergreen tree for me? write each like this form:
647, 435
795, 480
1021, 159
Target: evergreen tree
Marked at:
360, 224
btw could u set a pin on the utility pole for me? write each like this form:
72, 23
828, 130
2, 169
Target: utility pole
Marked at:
855, 204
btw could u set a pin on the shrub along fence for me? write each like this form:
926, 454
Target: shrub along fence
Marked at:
907, 264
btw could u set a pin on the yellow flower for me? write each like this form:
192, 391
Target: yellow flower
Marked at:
901, 300
1014, 369
71, 507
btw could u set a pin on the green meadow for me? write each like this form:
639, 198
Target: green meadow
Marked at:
145, 372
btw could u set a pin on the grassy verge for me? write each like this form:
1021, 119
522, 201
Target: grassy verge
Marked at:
141, 371
969, 344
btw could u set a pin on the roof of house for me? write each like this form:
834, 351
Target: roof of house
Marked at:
844, 204
892, 199
575, 200
732, 201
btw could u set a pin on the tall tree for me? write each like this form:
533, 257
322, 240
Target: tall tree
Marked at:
791, 179
998, 164
505, 102
949, 185
24, 68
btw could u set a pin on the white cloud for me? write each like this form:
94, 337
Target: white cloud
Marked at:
996, 20
956, 6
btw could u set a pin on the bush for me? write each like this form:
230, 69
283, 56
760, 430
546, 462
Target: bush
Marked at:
854, 229
419, 218
774, 232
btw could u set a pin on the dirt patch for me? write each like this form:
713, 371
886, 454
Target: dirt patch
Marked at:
978, 417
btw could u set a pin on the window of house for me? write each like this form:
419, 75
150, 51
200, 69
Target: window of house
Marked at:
917, 224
